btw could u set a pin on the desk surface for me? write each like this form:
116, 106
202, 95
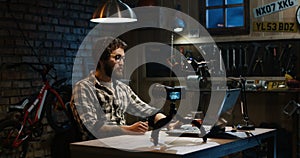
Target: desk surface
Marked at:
140, 145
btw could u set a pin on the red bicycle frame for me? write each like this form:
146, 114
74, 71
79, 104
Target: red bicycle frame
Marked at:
39, 102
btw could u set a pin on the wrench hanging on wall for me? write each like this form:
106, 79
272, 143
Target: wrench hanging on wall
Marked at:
258, 63
240, 67
271, 65
284, 59
228, 61
256, 49
291, 64
276, 63
221, 61
219, 70
245, 66
234, 69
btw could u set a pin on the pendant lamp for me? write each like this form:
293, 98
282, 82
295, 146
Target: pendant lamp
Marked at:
114, 11
147, 3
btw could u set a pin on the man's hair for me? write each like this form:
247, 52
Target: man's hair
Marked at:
113, 45
106, 45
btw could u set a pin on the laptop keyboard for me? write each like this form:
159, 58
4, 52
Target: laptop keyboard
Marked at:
185, 130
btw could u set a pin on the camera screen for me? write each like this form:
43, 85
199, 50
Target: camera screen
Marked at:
174, 95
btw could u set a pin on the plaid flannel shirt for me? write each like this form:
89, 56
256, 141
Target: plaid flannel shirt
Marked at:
95, 104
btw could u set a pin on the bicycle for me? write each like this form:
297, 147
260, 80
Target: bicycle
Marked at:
52, 100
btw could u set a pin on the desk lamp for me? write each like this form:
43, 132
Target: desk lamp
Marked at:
244, 108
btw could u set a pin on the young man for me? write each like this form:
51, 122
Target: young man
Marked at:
100, 101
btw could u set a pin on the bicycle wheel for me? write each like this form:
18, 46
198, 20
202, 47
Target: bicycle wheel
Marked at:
8, 132
58, 117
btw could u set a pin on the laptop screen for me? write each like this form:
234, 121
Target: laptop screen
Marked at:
221, 101
230, 99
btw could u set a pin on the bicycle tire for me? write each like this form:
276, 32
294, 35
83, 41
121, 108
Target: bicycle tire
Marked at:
57, 116
8, 132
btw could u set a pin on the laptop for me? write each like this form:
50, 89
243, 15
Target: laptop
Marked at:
223, 100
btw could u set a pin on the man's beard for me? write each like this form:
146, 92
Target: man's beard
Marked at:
109, 71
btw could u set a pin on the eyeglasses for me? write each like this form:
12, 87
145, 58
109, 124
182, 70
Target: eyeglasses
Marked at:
118, 57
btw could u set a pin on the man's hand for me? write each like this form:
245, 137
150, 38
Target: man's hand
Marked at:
136, 128
158, 117
161, 120
174, 125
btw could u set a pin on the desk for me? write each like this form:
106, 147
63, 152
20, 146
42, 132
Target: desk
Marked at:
139, 146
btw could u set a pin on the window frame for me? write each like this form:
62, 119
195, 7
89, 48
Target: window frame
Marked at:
243, 30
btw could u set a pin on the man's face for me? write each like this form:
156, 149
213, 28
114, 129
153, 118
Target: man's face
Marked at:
114, 65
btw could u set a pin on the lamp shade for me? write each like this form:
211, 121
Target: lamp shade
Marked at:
147, 3
179, 25
114, 11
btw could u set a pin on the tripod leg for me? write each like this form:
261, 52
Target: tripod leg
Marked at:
204, 139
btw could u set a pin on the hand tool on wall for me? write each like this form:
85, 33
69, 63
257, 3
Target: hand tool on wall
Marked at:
202, 48
267, 60
276, 64
240, 66
217, 64
271, 60
228, 61
213, 62
284, 58
283, 50
258, 62
245, 67
291, 64
202, 65
234, 69
221, 61
256, 48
